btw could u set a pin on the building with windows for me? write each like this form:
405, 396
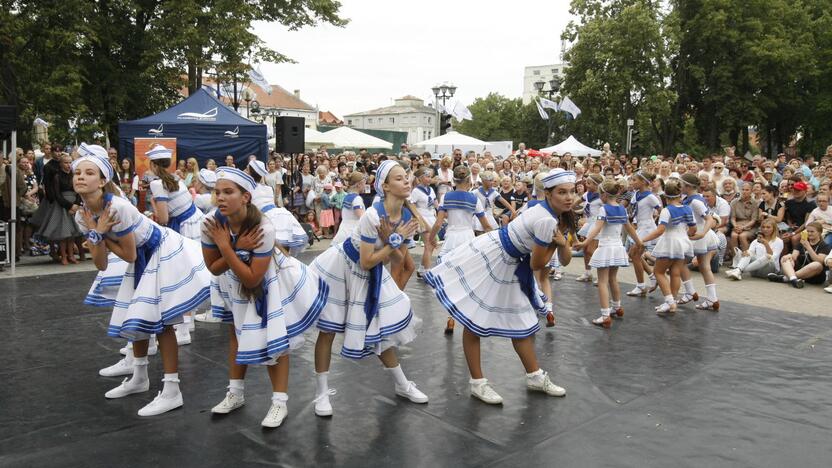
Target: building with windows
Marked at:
407, 114
540, 73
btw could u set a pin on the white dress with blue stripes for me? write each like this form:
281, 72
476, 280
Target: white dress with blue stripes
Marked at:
674, 244
488, 200
644, 206
610, 251
478, 283
180, 205
352, 203
460, 207
174, 281
423, 197
288, 232
710, 242
291, 298
349, 285
591, 208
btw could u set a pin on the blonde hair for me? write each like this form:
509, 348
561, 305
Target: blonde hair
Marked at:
612, 187
195, 170
447, 161
774, 230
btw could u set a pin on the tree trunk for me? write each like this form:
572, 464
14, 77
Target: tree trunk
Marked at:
746, 146
192, 77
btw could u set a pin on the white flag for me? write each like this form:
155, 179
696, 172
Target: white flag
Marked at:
41, 122
568, 106
441, 108
547, 104
543, 114
461, 112
260, 80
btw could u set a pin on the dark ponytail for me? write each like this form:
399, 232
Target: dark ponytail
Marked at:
170, 182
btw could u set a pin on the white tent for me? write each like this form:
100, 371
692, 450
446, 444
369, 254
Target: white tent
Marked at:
572, 145
450, 141
346, 137
312, 138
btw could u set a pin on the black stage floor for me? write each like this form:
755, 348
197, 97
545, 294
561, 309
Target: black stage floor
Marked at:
744, 387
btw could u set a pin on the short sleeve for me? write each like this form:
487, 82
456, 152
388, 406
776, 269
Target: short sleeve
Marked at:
655, 202
480, 211
357, 203
699, 208
267, 245
158, 191
128, 218
543, 229
602, 214
207, 241
664, 216
368, 226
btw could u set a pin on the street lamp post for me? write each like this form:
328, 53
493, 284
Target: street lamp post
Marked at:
444, 92
552, 93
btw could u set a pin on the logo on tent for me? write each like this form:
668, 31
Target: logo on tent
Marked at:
232, 133
156, 131
210, 115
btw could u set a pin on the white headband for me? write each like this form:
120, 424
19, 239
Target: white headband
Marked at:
207, 178
381, 175
557, 177
93, 150
238, 177
258, 167
159, 152
102, 163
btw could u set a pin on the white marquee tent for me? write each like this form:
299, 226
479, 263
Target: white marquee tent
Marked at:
346, 137
572, 145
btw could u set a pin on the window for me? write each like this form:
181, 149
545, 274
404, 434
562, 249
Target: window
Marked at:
428, 119
536, 72
349, 121
370, 121
392, 120
554, 71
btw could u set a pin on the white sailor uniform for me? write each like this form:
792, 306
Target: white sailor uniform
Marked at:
288, 232
674, 244
352, 203
423, 197
710, 242
644, 206
183, 217
610, 251
366, 306
592, 203
167, 280
459, 206
488, 201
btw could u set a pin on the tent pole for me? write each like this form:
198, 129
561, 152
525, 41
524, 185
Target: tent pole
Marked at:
12, 249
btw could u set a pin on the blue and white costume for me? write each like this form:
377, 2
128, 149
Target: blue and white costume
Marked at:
167, 280
204, 201
288, 232
592, 204
459, 206
366, 306
644, 206
674, 244
487, 284
352, 203
487, 199
610, 251
423, 197
709, 242
288, 301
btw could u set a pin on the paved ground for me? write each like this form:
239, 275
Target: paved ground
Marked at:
748, 386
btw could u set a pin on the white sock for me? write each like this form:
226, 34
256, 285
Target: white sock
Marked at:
151, 343
710, 290
139, 370
477, 382
688, 287
615, 304
640, 285
536, 376
548, 307
321, 382
669, 299
793, 278
588, 270
398, 375
280, 398
171, 385
237, 387
128, 358
605, 312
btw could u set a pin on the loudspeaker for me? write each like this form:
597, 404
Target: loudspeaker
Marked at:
289, 135
8, 119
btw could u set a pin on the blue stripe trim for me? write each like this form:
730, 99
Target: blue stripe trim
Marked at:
128, 230
371, 340
164, 199
262, 254
98, 301
209, 246
145, 326
328, 326
541, 242
369, 240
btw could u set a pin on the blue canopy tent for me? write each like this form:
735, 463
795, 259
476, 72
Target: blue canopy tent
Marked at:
204, 128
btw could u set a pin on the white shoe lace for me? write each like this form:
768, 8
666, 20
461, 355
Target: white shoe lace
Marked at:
328, 393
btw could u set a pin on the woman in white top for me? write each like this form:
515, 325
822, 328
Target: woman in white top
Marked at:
365, 304
488, 285
705, 245
164, 279
352, 207
762, 256
446, 178
424, 199
173, 205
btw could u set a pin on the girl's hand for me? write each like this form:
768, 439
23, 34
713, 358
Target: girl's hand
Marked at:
385, 229
408, 229
579, 245
559, 239
106, 221
251, 240
88, 219
220, 234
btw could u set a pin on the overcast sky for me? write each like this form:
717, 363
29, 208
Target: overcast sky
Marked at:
392, 48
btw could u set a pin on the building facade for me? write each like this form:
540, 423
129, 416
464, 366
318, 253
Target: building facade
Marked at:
542, 73
407, 114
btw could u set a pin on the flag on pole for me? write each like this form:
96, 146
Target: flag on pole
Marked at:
441, 108
41, 122
461, 112
543, 114
548, 104
260, 80
569, 107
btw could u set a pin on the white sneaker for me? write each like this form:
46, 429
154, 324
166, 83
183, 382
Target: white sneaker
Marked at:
828, 289
207, 317
323, 407
545, 385
557, 276
189, 321
734, 274
584, 278
411, 393
152, 349
277, 413
231, 402
485, 392
128, 387
122, 367
183, 335
637, 292
161, 405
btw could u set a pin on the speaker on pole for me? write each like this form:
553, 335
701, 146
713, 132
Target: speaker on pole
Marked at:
289, 134
8, 119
